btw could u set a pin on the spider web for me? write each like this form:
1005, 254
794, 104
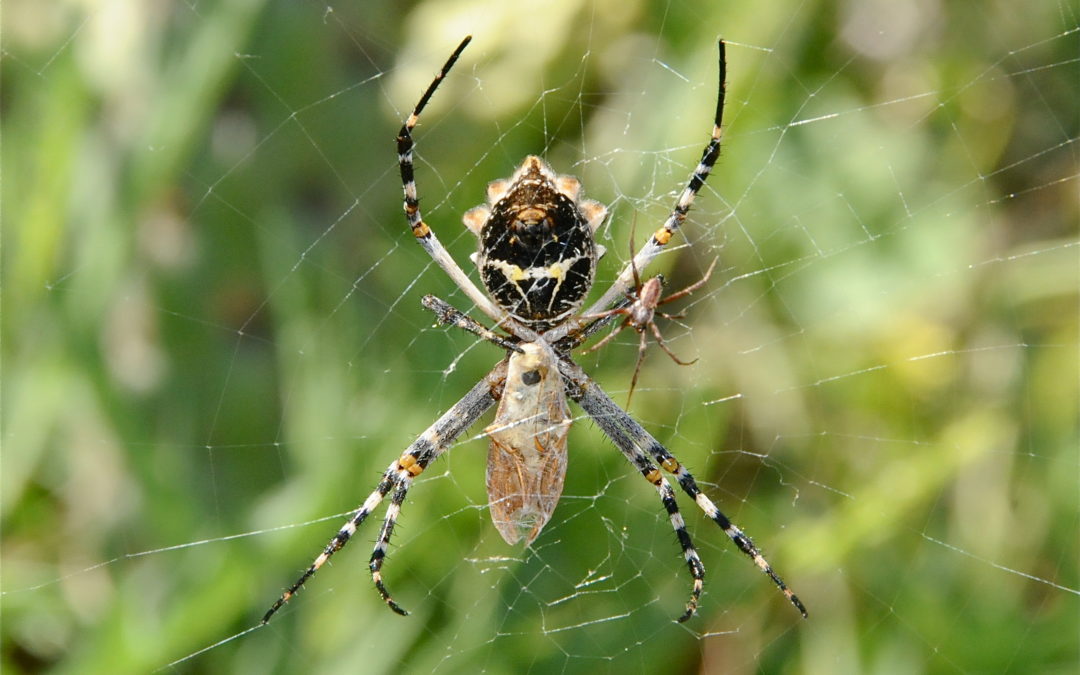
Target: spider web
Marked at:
214, 344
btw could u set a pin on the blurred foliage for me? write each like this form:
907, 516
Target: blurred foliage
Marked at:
212, 336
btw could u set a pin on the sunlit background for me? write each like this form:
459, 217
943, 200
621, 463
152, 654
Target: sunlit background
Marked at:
213, 343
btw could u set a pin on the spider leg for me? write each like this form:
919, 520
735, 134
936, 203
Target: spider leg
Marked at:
631, 437
398, 476
642, 344
672, 317
610, 336
622, 308
338, 542
448, 315
663, 345
651, 473
611, 312
745, 544
692, 287
662, 236
633, 266
383, 542
572, 341
424, 234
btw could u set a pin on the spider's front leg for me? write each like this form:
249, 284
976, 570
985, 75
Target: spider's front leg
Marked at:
578, 389
634, 442
435, 440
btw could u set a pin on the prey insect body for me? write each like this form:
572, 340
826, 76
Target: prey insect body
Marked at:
527, 451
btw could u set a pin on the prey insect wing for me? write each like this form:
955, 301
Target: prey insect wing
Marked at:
527, 453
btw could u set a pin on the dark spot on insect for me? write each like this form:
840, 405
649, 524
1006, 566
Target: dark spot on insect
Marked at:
530, 377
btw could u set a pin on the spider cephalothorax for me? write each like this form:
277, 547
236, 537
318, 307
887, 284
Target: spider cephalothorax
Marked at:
537, 256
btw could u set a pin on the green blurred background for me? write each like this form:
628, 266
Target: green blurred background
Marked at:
212, 339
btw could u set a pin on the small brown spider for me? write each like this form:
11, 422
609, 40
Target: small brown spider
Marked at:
641, 314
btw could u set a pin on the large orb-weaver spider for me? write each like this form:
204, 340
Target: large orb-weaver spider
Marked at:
537, 259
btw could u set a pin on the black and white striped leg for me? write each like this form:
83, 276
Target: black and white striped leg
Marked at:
340, 539
652, 474
398, 477
379, 554
424, 234
633, 439
405, 145
689, 486
667, 497
662, 236
690, 554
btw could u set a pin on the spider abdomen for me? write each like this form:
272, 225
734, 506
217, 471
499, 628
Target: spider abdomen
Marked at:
537, 257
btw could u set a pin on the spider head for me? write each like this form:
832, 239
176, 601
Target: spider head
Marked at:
537, 257
643, 307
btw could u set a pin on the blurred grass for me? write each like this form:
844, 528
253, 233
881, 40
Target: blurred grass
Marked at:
211, 327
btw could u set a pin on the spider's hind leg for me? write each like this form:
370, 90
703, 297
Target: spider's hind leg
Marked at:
745, 544
339, 540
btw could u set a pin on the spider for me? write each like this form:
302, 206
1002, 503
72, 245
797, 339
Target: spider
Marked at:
640, 312
537, 259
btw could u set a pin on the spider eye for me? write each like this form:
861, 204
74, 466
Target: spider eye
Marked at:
530, 377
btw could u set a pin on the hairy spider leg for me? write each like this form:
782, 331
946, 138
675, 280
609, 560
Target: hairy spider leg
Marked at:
662, 236
420, 229
398, 477
634, 442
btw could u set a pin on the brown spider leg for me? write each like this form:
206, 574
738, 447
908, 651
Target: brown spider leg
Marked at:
692, 287
424, 450
630, 437
656, 330
642, 344
594, 325
611, 312
663, 345
610, 336
672, 317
